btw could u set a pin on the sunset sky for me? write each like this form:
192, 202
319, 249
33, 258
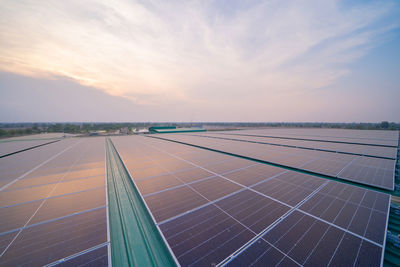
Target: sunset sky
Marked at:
333, 61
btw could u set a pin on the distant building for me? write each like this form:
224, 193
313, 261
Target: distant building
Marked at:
141, 131
124, 130
173, 129
97, 133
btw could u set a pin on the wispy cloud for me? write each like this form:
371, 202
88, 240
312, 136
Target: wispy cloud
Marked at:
156, 52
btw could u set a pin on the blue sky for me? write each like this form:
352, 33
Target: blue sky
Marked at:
334, 61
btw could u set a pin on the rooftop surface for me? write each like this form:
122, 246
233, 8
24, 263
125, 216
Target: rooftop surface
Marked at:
276, 196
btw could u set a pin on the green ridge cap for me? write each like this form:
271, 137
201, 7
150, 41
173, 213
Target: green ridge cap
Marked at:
180, 130
135, 238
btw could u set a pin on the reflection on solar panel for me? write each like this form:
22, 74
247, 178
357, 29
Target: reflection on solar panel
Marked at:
378, 172
211, 208
54, 211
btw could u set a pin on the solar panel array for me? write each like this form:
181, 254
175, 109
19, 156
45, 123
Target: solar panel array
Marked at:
215, 208
378, 172
387, 152
373, 137
212, 208
53, 205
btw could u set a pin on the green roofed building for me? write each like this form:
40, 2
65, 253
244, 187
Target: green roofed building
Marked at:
174, 129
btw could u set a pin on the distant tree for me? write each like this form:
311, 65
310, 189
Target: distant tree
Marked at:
384, 124
35, 128
3, 132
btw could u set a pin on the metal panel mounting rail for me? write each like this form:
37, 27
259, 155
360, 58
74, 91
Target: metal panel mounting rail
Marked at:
135, 238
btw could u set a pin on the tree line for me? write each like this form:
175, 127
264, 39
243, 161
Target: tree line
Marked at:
17, 129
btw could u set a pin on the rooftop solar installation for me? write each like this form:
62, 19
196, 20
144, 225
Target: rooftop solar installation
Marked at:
126, 200
207, 223
372, 171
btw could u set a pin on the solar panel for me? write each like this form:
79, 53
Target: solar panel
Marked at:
355, 209
11, 147
362, 149
290, 187
207, 221
192, 175
158, 183
215, 188
383, 138
56, 211
253, 174
52, 241
262, 253
204, 237
303, 240
96, 257
167, 204
17, 165
374, 171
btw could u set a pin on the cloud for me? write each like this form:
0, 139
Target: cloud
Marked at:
198, 52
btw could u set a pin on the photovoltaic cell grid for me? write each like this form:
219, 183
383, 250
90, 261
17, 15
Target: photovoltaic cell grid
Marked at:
17, 165
14, 146
55, 210
303, 240
377, 172
360, 149
378, 137
265, 210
